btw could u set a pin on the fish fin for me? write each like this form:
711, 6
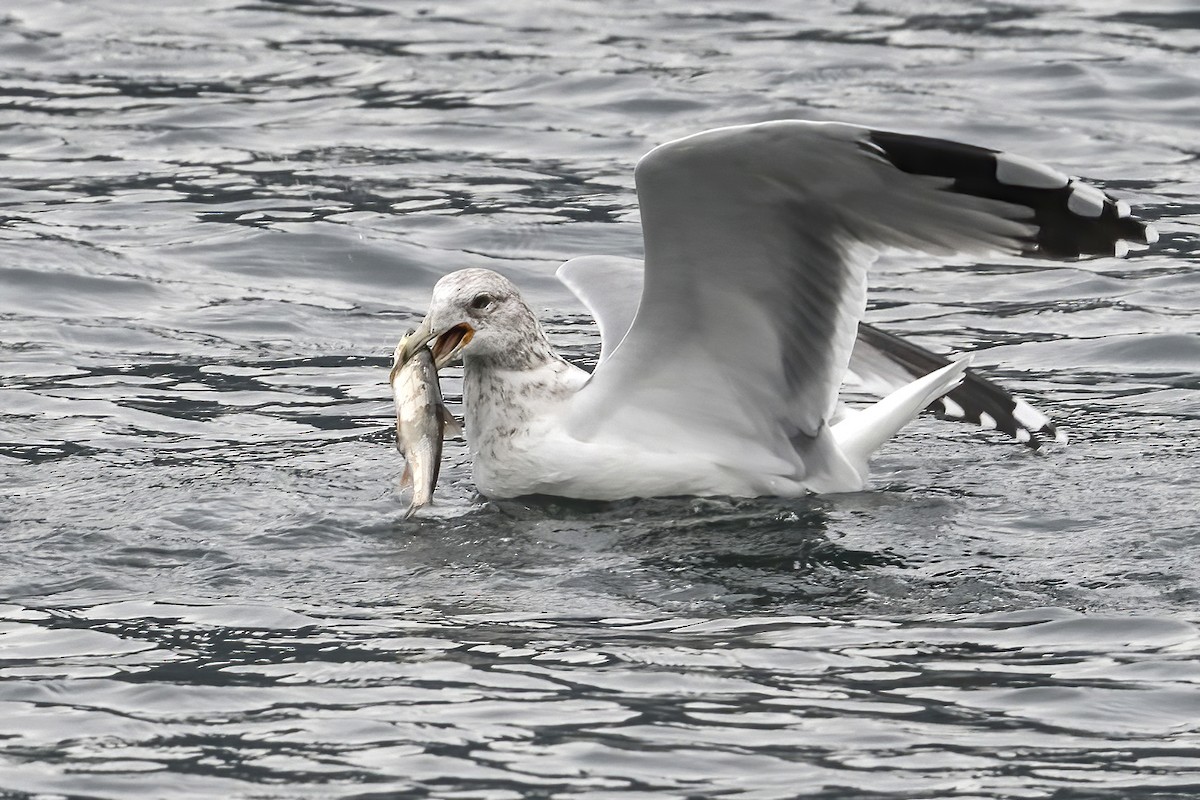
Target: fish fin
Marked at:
406, 477
450, 425
412, 509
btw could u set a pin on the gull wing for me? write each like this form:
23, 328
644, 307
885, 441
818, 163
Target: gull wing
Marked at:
883, 362
611, 288
758, 239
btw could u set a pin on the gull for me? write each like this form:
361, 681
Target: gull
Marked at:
723, 354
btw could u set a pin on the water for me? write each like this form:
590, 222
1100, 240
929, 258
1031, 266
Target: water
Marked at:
217, 218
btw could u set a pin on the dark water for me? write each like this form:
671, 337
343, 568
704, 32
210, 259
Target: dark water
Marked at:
217, 218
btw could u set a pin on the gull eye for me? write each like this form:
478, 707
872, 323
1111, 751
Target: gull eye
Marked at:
482, 301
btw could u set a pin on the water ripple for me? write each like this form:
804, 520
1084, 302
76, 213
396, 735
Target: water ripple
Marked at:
214, 225
664, 704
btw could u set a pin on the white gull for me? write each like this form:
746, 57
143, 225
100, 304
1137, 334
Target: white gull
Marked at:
725, 380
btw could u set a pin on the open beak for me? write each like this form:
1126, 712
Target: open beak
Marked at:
445, 345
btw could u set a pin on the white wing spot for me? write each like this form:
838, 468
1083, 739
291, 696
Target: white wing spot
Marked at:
1151, 234
987, 421
1029, 417
1122, 209
1017, 170
1086, 201
1036, 421
953, 409
875, 149
1120, 248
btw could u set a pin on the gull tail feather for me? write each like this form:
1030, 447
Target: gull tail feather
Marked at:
862, 433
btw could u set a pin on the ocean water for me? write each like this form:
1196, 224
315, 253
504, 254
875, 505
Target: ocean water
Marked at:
217, 218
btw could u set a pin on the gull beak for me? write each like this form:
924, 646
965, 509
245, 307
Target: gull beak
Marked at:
446, 345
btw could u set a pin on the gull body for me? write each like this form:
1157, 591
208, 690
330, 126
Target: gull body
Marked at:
517, 396
723, 356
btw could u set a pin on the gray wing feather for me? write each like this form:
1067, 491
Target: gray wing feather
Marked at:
758, 240
611, 288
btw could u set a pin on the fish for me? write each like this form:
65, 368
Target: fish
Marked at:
422, 420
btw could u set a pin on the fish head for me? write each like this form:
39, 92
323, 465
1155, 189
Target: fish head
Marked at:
473, 313
405, 349
410, 349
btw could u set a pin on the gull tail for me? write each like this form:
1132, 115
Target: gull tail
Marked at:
862, 433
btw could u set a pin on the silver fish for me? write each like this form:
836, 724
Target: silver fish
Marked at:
422, 420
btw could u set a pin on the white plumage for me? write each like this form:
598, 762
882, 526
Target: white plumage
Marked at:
757, 239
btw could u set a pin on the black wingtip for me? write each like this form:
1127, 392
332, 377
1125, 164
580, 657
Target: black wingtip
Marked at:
976, 400
1074, 220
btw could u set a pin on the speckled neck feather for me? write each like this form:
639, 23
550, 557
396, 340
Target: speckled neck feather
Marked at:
528, 347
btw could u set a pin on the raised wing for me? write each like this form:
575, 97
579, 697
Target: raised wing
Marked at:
880, 362
758, 239
611, 288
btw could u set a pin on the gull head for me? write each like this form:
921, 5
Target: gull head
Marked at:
479, 315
